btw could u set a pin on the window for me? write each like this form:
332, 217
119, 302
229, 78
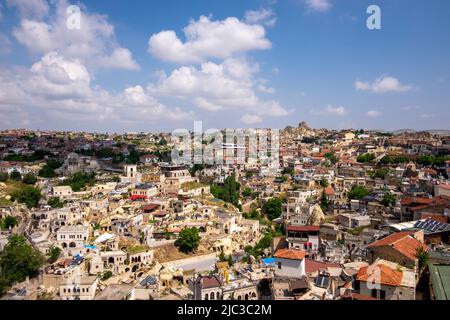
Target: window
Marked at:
357, 287
382, 294
374, 293
279, 265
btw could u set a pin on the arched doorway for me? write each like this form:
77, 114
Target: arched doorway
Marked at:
72, 245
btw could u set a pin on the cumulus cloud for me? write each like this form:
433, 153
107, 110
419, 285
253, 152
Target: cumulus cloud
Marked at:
59, 87
330, 110
214, 87
30, 8
251, 119
319, 5
208, 39
382, 85
263, 16
373, 114
95, 43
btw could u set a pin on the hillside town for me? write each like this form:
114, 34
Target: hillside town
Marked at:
341, 215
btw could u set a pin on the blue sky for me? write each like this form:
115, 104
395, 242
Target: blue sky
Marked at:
247, 63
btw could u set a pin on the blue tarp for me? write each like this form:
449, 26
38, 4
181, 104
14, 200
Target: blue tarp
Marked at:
269, 261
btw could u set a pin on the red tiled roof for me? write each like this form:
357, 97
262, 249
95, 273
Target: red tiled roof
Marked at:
329, 191
312, 266
387, 276
290, 254
151, 207
416, 201
403, 242
304, 228
211, 282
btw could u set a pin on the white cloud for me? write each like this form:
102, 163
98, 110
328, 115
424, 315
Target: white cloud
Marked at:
30, 8
94, 43
263, 16
373, 114
319, 5
251, 119
262, 88
330, 110
382, 85
5, 44
213, 87
427, 116
207, 39
57, 87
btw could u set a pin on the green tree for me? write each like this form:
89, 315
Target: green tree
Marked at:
389, 200
29, 178
332, 158
15, 175
27, 195
48, 170
55, 203
54, 254
287, 171
324, 183
380, 173
18, 260
231, 190
324, 202
222, 257
195, 168
188, 240
230, 260
358, 193
247, 192
4, 176
272, 208
9, 222
365, 158
106, 275
423, 257
79, 181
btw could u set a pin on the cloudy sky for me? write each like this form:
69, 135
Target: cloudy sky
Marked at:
159, 65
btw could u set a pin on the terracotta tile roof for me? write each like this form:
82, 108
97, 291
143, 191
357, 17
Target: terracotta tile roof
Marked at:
290, 254
312, 266
387, 276
304, 228
329, 191
211, 282
403, 242
415, 201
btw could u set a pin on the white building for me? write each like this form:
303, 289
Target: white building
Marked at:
290, 263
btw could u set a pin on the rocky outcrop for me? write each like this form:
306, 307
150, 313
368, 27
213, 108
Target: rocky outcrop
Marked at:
317, 217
